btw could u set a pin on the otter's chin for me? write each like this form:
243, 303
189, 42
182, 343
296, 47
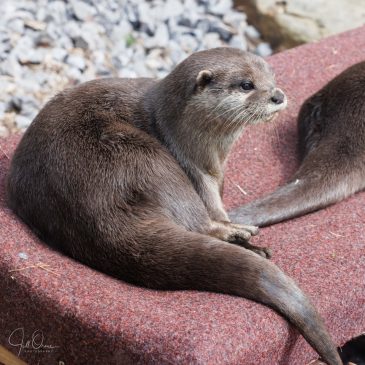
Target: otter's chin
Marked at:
270, 117
266, 118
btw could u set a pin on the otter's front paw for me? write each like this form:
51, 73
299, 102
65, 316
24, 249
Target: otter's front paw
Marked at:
240, 235
237, 232
227, 231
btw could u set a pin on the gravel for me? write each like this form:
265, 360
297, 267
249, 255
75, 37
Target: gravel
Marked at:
46, 46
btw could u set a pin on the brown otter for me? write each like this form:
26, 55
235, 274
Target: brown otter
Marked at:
125, 176
331, 129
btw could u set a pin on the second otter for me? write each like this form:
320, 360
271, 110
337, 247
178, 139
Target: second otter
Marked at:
126, 175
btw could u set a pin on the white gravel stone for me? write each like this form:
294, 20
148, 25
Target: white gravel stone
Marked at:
238, 42
212, 40
264, 50
220, 7
23, 255
235, 19
10, 66
22, 121
121, 31
188, 43
72, 29
76, 61
59, 54
82, 10
160, 39
16, 25
74, 74
252, 32
31, 57
171, 8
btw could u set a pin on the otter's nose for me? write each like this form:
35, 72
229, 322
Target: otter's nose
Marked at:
278, 97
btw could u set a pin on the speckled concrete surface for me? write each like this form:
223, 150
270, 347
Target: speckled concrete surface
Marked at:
86, 317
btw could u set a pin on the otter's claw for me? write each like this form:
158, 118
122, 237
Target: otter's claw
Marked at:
238, 234
262, 251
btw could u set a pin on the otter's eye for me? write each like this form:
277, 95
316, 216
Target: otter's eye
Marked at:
247, 85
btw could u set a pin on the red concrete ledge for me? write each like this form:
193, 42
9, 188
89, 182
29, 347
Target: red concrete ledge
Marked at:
86, 317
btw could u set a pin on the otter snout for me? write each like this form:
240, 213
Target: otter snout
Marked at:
277, 101
278, 96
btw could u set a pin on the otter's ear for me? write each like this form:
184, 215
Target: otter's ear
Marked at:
204, 78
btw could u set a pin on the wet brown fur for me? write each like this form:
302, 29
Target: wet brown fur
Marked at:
124, 176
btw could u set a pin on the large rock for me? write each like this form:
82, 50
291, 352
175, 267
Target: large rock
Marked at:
289, 23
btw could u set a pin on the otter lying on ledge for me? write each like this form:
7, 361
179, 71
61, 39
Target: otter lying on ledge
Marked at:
125, 175
331, 128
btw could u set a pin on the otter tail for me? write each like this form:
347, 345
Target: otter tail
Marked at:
178, 259
319, 182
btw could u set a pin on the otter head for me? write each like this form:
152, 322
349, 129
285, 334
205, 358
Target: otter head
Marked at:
233, 88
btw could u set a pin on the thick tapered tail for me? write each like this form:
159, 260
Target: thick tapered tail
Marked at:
311, 188
294, 199
188, 260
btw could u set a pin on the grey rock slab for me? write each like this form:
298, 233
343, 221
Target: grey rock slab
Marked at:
290, 23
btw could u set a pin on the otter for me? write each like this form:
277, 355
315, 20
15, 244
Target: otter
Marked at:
126, 176
331, 130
